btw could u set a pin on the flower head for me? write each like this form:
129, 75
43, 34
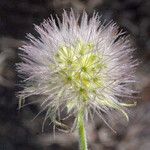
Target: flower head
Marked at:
78, 66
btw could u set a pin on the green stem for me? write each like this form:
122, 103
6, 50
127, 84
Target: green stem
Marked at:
82, 132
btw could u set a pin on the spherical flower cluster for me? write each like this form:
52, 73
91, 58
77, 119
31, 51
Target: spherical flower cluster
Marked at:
79, 64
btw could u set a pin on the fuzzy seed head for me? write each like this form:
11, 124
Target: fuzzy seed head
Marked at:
77, 66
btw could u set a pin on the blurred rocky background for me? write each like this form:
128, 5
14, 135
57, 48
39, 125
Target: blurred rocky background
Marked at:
17, 130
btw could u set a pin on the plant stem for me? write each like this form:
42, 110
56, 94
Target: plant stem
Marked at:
82, 132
